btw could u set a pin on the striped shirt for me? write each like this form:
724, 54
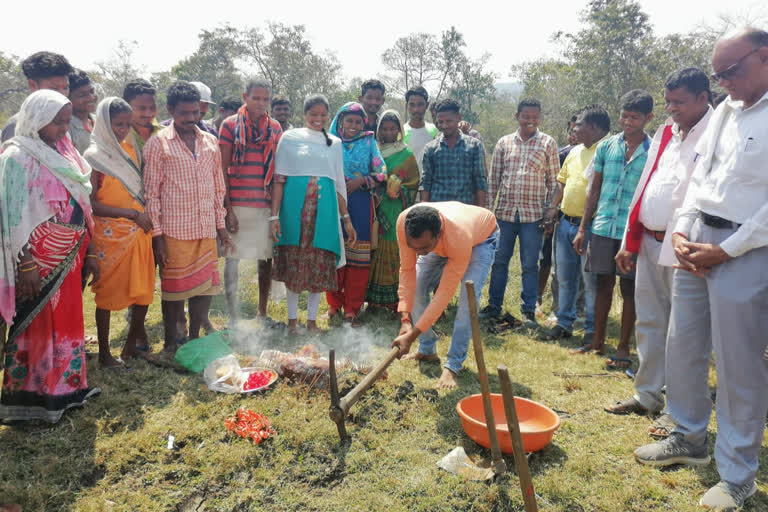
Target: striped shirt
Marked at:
246, 182
523, 176
184, 190
454, 174
619, 182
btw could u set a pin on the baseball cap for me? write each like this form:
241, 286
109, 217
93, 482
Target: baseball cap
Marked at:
205, 92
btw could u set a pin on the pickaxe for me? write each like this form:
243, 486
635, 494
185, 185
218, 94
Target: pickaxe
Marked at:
340, 405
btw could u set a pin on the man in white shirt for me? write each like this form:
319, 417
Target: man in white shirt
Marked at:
418, 132
721, 287
660, 191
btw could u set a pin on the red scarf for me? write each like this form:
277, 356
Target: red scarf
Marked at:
247, 132
635, 228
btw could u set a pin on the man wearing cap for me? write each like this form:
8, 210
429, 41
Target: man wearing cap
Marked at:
205, 104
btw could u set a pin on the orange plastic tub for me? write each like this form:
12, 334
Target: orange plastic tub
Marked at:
537, 422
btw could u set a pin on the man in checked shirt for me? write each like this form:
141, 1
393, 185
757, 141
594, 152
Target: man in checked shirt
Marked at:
522, 181
185, 200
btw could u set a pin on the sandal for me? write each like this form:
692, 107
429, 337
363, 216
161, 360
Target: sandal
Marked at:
352, 320
584, 349
618, 363
662, 427
629, 406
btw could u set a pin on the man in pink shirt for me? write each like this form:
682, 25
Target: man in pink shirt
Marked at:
442, 245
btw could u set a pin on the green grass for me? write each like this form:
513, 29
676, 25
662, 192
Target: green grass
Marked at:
111, 455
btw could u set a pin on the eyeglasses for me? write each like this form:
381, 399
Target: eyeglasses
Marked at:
729, 72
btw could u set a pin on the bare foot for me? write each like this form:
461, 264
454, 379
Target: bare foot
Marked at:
10, 508
293, 326
416, 356
312, 326
447, 380
107, 361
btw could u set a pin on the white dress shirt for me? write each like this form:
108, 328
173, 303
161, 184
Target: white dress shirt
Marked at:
667, 186
731, 177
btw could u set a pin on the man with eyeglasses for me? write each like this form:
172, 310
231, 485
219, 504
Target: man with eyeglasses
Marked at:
721, 287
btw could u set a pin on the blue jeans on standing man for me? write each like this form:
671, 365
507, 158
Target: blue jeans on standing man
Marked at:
531, 236
570, 266
429, 270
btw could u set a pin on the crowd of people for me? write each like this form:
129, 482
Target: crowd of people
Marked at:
397, 215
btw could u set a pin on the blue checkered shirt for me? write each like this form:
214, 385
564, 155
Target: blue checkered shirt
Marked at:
619, 182
454, 174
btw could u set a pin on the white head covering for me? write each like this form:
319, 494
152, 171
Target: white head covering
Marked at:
38, 110
106, 156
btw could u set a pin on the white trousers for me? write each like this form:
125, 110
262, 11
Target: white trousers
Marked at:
653, 303
726, 310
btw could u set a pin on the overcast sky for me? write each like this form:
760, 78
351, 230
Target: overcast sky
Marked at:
87, 31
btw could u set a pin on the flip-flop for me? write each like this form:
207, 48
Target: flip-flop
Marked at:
662, 427
618, 363
584, 349
629, 406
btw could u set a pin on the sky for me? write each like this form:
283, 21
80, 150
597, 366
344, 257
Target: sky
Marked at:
357, 32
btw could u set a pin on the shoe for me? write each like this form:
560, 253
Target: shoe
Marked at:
672, 450
556, 333
529, 320
727, 496
490, 313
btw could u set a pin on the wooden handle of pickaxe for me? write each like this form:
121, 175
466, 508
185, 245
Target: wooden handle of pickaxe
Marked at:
477, 343
340, 406
521, 462
354, 395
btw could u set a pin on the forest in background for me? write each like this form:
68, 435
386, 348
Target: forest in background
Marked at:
615, 50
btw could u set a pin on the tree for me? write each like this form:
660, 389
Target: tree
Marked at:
13, 86
451, 53
472, 83
113, 74
213, 65
414, 59
284, 56
615, 52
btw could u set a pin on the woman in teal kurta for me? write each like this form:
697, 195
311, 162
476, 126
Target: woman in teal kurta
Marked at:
309, 195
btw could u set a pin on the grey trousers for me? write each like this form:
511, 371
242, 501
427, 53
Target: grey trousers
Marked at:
653, 303
726, 310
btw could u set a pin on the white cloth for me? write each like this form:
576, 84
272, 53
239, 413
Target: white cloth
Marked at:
731, 176
668, 186
107, 157
418, 141
305, 152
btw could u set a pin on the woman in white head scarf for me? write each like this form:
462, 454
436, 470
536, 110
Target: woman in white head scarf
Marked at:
45, 223
122, 232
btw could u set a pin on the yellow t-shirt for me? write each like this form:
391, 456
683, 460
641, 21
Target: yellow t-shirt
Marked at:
572, 176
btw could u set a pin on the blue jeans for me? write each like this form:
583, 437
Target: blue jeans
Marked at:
569, 267
531, 236
429, 270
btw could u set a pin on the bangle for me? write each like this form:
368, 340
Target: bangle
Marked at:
405, 319
28, 263
91, 255
345, 216
28, 269
274, 217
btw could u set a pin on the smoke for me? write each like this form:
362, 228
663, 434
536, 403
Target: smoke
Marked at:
357, 344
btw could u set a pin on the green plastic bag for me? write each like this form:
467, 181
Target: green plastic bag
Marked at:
195, 354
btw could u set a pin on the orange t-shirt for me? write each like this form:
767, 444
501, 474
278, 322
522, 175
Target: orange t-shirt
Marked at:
463, 227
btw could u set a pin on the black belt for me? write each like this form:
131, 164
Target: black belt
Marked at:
573, 220
717, 222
